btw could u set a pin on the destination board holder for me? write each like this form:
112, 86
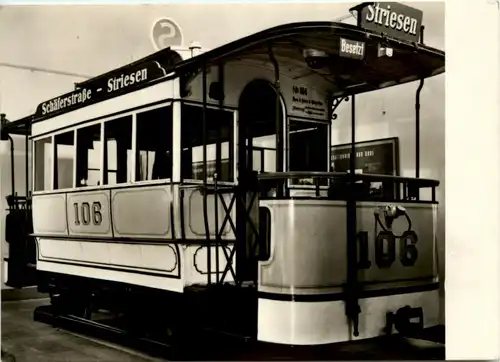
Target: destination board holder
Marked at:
111, 84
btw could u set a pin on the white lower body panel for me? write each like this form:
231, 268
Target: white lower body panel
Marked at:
316, 323
174, 284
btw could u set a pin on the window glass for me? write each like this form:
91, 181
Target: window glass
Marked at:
308, 148
65, 159
118, 151
219, 132
264, 153
43, 164
154, 144
88, 156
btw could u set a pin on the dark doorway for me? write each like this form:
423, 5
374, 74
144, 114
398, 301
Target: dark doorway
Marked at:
257, 125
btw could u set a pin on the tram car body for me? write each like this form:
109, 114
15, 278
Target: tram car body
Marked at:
171, 185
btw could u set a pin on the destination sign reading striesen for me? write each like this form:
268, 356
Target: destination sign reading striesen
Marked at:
394, 19
104, 87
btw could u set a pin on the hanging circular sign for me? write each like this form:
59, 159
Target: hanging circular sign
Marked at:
166, 33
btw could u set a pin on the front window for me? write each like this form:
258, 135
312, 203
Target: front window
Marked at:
308, 148
219, 130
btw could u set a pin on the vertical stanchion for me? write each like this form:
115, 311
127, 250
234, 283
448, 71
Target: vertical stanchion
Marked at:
352, 305
205, 206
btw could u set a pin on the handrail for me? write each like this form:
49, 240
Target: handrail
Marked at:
344, 175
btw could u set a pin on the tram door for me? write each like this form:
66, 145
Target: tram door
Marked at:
256, 152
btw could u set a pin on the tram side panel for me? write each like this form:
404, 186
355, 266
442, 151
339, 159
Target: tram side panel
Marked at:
191, 227
89, 214
301, 285
49, 215
125, 235
83, 239
406, 258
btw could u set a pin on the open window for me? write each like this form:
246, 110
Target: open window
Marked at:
88, 156
154, 144
65, 158
308, 148
118, 154
220, 143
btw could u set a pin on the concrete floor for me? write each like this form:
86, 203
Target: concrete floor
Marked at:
24, 340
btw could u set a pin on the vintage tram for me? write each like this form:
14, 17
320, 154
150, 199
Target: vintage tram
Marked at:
197, 192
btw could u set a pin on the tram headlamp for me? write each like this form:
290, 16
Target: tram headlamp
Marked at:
315, 58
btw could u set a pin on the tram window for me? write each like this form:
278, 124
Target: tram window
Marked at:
65, 158
308, 144
88, 156
118, 151
43, 164
263, 153
154, 144
219, 129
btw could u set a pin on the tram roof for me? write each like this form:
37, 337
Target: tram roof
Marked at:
289, 43
409, 62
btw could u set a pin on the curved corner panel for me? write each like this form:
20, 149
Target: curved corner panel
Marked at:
49, 214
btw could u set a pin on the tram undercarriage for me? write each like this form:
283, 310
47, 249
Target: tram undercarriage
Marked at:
206, 323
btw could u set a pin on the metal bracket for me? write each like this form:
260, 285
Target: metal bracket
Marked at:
336, 102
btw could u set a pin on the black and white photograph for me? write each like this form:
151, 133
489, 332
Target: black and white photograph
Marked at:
225, 181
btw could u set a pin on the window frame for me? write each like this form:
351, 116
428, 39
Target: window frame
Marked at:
54, 160
101, 156
234, 142
50, 189
328, 125
50, 186
134, 145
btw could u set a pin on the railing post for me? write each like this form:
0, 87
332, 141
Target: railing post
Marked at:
217, 234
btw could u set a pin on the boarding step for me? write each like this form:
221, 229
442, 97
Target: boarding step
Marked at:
227, 311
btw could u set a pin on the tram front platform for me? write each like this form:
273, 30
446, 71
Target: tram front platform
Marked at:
25, 340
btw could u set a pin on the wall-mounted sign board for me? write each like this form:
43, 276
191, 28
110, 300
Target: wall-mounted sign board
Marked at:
379, 157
